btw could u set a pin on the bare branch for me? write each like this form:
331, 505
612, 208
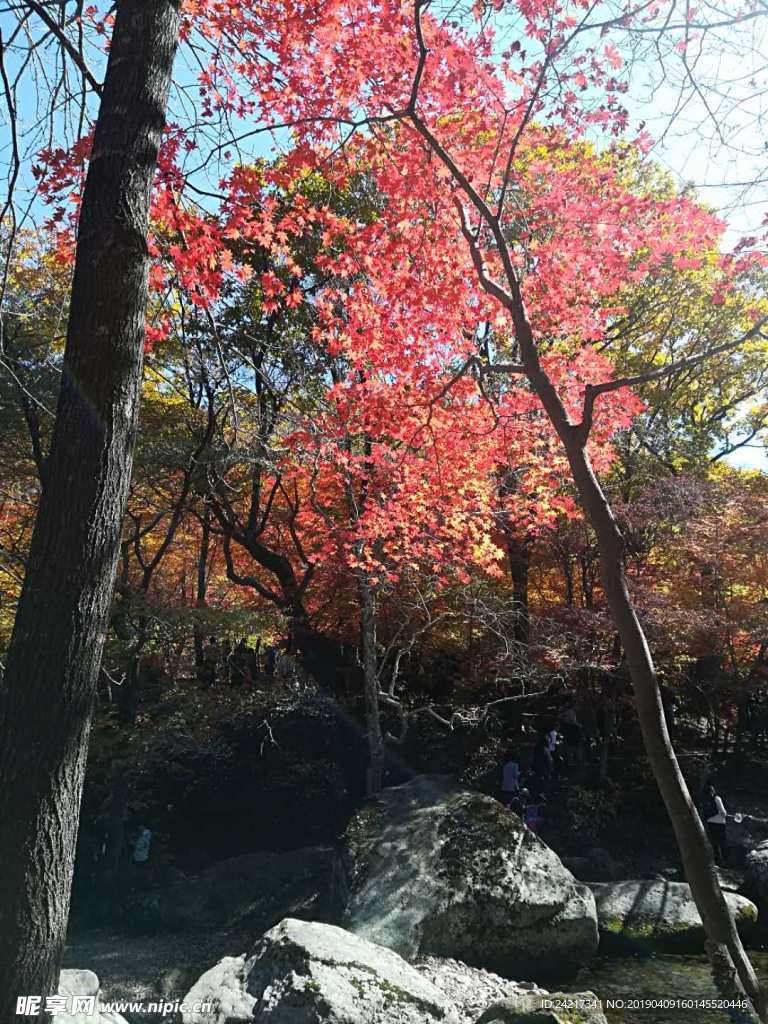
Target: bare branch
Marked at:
76, 57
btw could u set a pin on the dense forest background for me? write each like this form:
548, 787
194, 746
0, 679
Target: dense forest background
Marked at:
372, 400
487, 579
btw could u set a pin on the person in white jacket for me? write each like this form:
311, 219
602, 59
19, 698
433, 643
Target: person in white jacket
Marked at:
715, 821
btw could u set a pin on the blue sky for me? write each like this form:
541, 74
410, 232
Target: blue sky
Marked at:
718, 142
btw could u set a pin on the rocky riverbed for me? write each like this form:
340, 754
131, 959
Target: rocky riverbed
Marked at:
438, 906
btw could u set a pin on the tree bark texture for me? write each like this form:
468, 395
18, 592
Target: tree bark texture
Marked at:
53, 660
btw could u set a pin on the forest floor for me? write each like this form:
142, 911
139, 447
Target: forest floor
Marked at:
149, 968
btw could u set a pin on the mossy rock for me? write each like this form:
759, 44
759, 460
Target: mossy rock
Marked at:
303, 970
554, 1008
647, 916
434, 870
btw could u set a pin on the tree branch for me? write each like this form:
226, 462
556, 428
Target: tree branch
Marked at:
593, 390
67, 44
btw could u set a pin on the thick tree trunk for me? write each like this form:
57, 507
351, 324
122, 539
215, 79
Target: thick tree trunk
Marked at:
321, 655
325, 660
53, 660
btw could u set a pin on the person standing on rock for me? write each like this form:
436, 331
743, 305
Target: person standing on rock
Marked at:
715, 819
551, 741
254, 664
140, 857
270, 660
510, 779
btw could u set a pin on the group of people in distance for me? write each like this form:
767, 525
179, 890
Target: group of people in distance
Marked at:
530, 804
560, 744
241, 666
527, 806
96, 853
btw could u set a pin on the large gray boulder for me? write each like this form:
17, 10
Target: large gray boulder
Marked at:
656, 915
467, 991
434, 870
82, 984
302, 972
308, 973
223, 988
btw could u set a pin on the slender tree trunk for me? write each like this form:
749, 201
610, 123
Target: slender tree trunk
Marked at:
117, 806
724, 944
519, 565
568, 576
374, 738
375, 769
587, 587
730, 964
128, 693
53, 660
202, 588
731, 967
609, 728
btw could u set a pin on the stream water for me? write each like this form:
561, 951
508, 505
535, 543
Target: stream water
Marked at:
656, 980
